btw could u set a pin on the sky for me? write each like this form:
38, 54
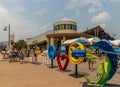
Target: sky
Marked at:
29, 18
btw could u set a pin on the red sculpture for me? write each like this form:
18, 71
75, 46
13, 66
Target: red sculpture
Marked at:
62, 57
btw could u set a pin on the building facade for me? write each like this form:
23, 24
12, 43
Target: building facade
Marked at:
62, 30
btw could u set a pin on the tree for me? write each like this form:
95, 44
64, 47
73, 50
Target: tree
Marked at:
19, 45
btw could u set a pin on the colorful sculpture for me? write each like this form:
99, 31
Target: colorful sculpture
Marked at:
37, 50
108, 68
52, 52
74, 52
60, 58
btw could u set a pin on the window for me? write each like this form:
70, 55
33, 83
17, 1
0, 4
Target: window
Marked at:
75, 27
70, 26
58, 27
64, 26
67, 26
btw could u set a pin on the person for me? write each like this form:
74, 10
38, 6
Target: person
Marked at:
10, 56
15, 55
35, 58
91, 56
21, 56
102, 57
32, 54
90, 63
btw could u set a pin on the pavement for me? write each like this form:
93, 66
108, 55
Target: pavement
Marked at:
41, 75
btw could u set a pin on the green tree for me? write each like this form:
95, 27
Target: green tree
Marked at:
19, 45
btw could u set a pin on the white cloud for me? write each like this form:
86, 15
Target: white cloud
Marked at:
3, 10
22, 27
66, 19
33, 31
92, 10
78, 3
93, 6
6, 17
101, 17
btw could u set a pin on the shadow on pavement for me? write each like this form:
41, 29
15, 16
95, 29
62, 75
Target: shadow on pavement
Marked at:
79, 75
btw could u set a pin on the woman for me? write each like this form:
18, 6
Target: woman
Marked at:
21, 56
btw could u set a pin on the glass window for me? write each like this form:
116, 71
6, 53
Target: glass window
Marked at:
58, 27
67, 26
75, 27
64, 26
70, 26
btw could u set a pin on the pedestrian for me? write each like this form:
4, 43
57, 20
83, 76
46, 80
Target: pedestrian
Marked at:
21, 56
10, 56
35, 58
15, 55
32, 54
91, 62
91, 56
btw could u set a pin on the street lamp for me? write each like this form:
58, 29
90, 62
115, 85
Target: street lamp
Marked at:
5, 29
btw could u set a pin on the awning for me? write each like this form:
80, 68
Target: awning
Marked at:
116, 42
81, 40
93, 40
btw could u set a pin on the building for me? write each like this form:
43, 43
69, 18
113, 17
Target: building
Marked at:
98, 32
64, 30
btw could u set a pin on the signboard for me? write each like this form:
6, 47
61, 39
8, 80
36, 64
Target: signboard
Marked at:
78, 53
63, 50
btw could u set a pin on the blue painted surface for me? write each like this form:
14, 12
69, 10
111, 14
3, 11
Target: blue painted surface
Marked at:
107, 48
81, 41
78, 53
52, 52
117, 50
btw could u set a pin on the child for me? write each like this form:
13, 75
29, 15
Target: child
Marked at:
35, 58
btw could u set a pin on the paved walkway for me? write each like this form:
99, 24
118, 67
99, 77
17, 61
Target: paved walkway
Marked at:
30, 75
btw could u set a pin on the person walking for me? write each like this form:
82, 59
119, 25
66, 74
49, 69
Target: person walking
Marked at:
21, 56
91, 56
10, 56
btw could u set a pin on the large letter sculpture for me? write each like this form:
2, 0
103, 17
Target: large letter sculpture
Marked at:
76, 53
107, 69
62, 57
52, 52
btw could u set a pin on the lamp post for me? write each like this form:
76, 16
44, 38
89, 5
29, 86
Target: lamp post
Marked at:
5, 29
